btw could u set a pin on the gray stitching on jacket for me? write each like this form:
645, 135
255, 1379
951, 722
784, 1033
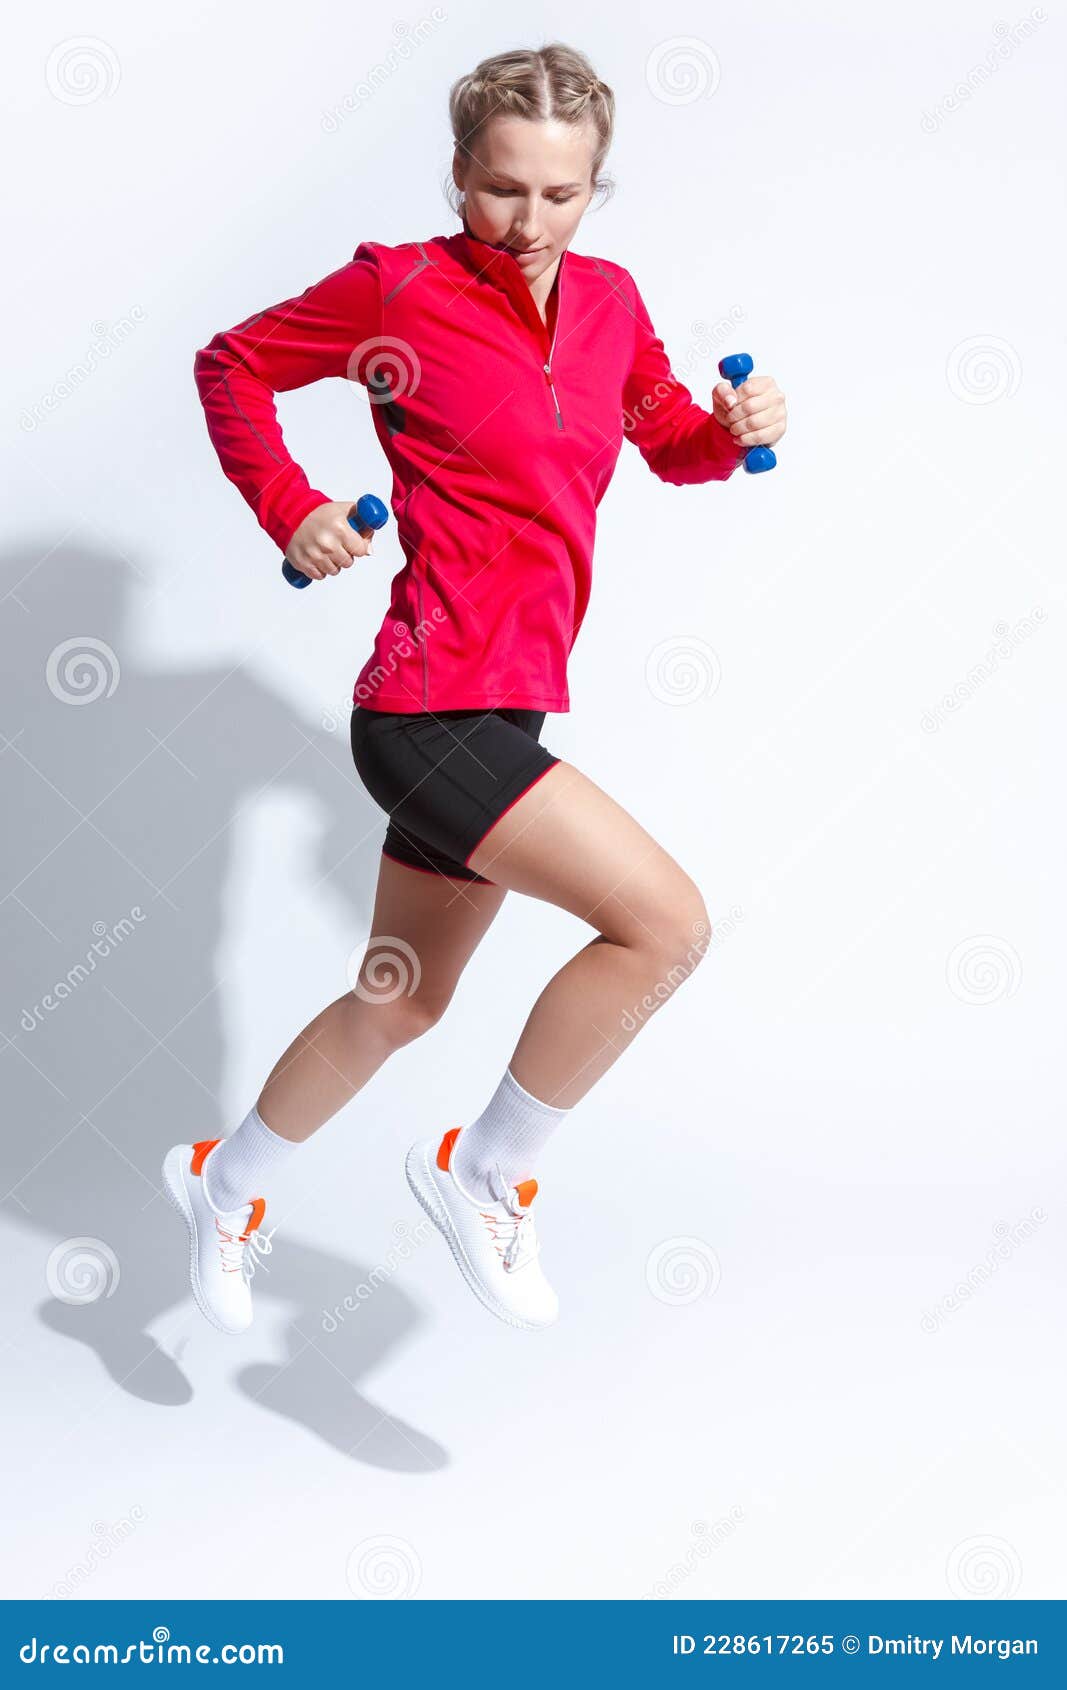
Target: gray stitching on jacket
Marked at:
417, 271
249, 424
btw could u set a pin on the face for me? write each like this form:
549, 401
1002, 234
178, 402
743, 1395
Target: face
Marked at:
527, 185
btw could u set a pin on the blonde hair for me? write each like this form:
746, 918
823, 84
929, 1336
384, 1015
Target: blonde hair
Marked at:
555, 81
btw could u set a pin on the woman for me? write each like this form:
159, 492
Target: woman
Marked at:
504, 371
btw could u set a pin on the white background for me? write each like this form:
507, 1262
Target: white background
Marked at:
784, 1366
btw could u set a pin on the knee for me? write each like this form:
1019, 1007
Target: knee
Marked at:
394, 1017
407, 1018
680, 932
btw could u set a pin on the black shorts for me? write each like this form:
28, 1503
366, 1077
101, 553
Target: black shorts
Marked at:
444, 777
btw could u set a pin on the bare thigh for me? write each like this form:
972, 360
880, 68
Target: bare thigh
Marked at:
567, 842
424, 930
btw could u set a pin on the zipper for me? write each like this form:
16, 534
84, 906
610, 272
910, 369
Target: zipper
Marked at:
551, 389
548, 367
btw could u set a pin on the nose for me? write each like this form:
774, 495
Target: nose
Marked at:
525, 233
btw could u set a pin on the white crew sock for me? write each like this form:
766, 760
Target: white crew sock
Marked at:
237, 1169
511, 1130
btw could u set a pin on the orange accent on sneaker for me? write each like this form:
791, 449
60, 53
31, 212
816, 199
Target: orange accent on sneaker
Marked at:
200, 1150
259, 1209
444, 1153
527, 1190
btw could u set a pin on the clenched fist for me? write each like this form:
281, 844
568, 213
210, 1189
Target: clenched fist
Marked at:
754, 412
325, 542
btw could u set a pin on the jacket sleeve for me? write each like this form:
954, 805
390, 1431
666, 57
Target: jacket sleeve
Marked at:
679, 441
301, 340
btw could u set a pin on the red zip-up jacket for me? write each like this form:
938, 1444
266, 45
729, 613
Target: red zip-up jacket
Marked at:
502, 434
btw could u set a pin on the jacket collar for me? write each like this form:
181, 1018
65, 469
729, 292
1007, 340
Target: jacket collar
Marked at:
496, 265
495, 262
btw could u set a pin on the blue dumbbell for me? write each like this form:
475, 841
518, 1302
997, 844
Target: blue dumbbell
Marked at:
369, 515
737, 368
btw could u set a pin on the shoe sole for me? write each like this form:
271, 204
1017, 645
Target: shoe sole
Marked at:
178, 1197
424, 1189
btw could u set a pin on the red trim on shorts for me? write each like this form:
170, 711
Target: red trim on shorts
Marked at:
540, 776
440, 872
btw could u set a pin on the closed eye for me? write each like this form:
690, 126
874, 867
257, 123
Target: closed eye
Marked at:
556, 199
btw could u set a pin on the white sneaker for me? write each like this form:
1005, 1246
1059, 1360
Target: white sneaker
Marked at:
222, 1246
494, 1243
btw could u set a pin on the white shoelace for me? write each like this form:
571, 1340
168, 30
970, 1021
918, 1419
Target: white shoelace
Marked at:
237, 1255
518, 1227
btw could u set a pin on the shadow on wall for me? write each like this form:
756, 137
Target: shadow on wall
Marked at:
121, 786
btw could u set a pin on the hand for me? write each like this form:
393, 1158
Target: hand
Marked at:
325, 542
754, 413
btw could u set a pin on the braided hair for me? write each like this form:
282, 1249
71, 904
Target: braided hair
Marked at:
555, 81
